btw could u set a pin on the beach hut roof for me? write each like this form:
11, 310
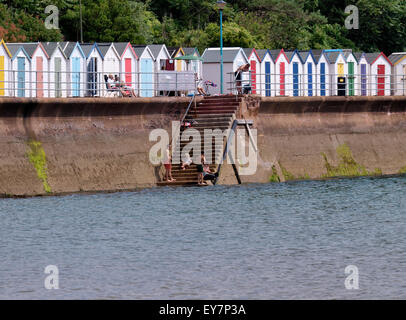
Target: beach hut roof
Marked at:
262, 53
191, 51
333, 55
156, 49
2, 43
290, 55
15, 48
372, 57
139, 50
212, 55
358, 55
276, 53
248, 52
173, 51
397, 57
121, 47
69, 47
105, 47
30, 47
51, 47
317, 53
88, 48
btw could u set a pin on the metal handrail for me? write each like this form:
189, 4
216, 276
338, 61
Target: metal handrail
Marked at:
187, 109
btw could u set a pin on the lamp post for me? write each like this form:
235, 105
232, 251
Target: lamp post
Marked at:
81, 26
221, 5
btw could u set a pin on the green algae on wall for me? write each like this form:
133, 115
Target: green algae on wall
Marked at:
286, 174
274, 177
37, 157
347, 166
402, 170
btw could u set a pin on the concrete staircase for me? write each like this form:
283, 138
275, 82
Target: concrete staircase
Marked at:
216, 112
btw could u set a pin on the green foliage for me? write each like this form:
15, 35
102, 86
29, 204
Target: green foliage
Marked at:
347, 166
274, 177
273, 24
37, 157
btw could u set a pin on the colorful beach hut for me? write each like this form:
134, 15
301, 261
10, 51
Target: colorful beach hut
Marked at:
194, 65
309, 73
162, 57
175, 52
338, 70
39, 75
128, 63
363, 82
76, 68
294, 77
281, 70
94, 69
267, 70
398, 60
255, 63
5, 66
111, 59
233, 57
352, 70
380, 73
57, 67
322, 73
20, 70
146, 68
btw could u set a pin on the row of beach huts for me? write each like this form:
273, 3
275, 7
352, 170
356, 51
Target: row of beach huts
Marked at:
71, 69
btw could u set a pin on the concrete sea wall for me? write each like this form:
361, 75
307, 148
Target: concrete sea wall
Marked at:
322, 137
56, 146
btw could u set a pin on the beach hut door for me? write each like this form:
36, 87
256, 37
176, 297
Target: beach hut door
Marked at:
351, 78
40, 77
21, 76
381, 79
267, 79
282, 78
295, 79
92, 76
323, 79
310, 79
128, 76
2, 78
58, 89
146, 78
363, 79
254, 76
76, 76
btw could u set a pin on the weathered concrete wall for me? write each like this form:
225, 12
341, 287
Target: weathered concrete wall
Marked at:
73, 145
327, 136
88, 144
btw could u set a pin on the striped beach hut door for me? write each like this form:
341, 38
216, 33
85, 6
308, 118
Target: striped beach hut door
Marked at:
309, 79
282, 78
2, 77
351, 78
128, 69
381, 79
58, 87
295, 79
322, 79
254, 76
21, 77
40, 77
363, 79
267, 79
76, 77
146, 78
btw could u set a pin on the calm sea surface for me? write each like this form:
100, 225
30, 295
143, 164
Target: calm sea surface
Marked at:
259, 241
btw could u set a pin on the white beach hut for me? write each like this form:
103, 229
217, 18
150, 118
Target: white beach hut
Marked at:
5, 66
267, 71
309, 73
111, 59
20, 70
57, 66
322, 73
338, 71
352, 70
282, 77
398, 60
76, 68
380, 73
295, 75
39, 75
146, 68
128, 63
95, 82
255, 67
233, 57
363, 82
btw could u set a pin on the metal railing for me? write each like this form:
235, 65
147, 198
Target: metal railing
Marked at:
316, 84
51, 84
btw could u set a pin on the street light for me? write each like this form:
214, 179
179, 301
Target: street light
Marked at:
221, 5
